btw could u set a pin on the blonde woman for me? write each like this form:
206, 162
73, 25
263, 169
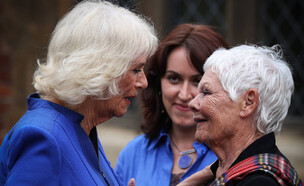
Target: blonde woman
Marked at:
94, 66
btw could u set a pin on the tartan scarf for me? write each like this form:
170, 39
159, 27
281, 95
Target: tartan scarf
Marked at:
271, 164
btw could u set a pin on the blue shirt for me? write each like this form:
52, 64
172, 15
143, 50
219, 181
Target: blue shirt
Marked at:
151, 162
47, 146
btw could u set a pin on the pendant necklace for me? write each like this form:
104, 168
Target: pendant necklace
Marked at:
185, 160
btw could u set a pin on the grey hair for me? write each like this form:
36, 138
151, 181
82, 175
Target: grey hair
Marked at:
90, 50
250, 66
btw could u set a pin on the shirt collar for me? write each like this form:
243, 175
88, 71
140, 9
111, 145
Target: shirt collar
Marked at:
163, 135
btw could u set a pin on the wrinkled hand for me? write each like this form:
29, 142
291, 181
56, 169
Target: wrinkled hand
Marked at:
200, 178
131, 182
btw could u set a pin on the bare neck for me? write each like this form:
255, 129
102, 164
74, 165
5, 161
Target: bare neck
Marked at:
93, 116
184, 137
87, 124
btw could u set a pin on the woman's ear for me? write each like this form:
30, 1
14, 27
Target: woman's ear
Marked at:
249, 103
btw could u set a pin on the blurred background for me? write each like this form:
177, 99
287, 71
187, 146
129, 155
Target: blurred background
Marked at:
26, 26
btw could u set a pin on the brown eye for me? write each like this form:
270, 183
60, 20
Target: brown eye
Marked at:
136, 71
173, 79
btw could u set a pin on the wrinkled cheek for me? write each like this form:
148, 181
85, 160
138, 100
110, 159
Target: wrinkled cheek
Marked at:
214, 102
212, 107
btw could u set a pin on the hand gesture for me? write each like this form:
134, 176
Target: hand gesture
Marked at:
131, 182
200, 178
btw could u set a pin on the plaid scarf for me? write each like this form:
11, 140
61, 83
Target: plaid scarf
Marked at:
270, 164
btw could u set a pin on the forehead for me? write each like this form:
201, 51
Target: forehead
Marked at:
209, 78
178, 60
141, 60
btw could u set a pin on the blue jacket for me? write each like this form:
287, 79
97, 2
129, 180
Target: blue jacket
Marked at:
150, 162
47, 146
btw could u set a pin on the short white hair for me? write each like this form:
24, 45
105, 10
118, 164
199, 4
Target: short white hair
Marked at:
90, 50
250, 66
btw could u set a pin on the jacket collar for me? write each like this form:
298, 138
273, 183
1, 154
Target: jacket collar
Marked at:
34, 101
265, 144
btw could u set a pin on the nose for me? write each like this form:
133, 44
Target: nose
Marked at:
142, 82
185, 92
194, 104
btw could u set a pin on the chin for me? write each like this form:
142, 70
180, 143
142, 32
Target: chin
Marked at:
189, 126
188, 123
120, 114
199, 137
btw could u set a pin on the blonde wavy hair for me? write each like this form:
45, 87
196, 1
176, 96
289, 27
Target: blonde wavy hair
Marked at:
91, 48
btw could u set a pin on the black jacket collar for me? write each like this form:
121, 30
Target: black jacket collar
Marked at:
265, 144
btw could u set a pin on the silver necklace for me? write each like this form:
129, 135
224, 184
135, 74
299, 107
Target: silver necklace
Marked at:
185, 160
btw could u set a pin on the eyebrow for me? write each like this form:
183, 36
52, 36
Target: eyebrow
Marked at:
203, 85
173, 72
139, 64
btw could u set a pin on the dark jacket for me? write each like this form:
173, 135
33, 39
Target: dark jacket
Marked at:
265, 144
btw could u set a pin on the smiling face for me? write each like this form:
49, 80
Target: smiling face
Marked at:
217, 116
179, 87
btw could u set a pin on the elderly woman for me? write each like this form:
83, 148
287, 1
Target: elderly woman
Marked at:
243, 99
94, 66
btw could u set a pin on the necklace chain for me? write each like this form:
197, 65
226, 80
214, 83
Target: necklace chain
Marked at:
182, 152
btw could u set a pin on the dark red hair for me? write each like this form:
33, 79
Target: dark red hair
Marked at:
200, 41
